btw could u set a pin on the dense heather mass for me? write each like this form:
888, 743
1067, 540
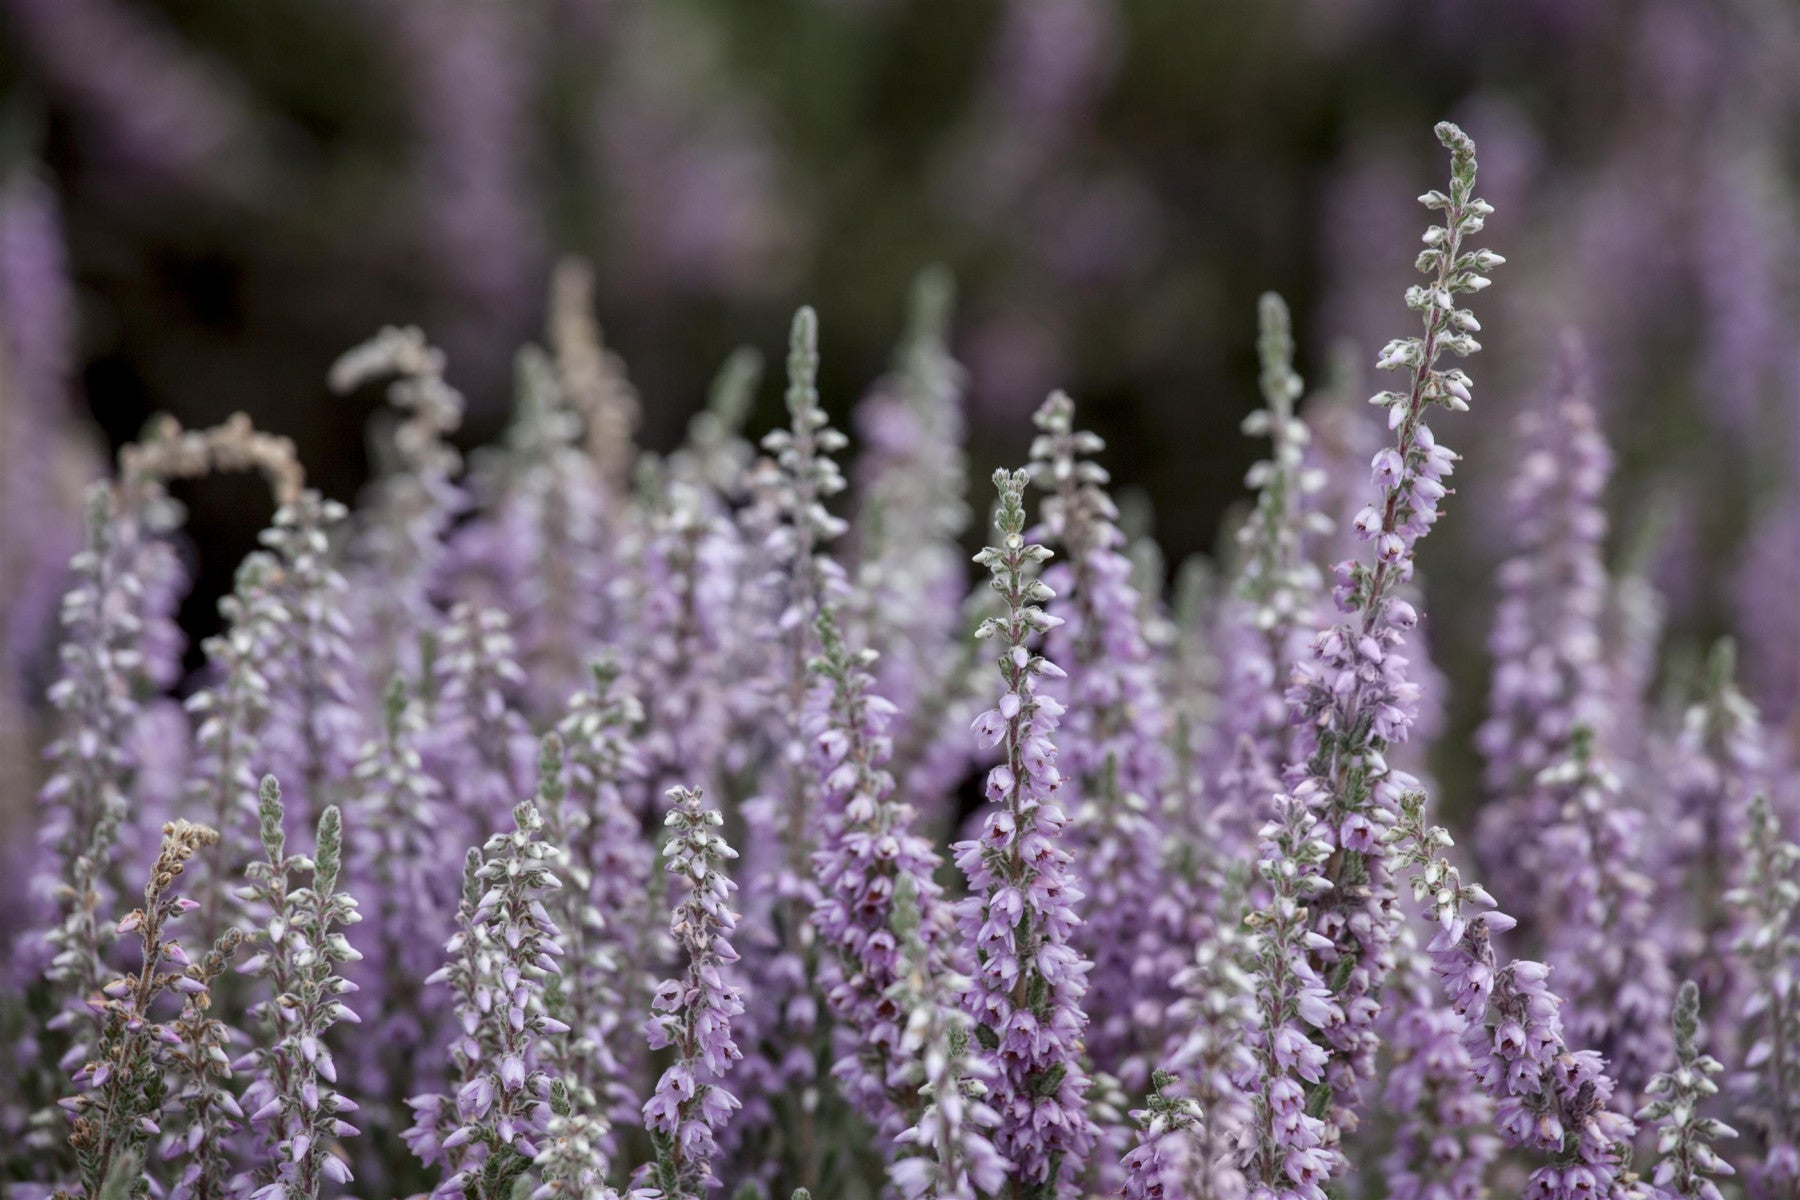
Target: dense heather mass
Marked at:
577, 822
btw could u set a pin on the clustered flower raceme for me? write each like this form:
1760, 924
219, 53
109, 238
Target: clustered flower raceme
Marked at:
1020, 914
1355, 696
1277, 592
1549, 671
955, 1158
1616, 975
1685, 1137
1118, 732
1547, 1097
693, 1012
1443, 1146
868, 854
293, 1101
1188, 857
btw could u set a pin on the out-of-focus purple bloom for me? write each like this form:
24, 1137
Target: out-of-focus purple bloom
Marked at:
1276, 594
399, 546
1550, 672
1720, 764
404, 861
478, 742
156, 107
956, 1158
1168, 1145
540, 544
910, 572
789, 528
469, 72
1598, 920
315, 724
607, 903
1444, 1146
1117, 755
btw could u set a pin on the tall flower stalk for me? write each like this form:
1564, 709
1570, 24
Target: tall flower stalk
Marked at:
123, 1084
1767, 944
293, 1099
1547, 1097
1276, 593
1684, 1136
953, 1155
693, 1012
1355, 695
503, 1104
1020, 915
1116, 736
869, 854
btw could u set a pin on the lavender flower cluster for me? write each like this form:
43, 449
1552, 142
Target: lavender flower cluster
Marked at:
1175, 958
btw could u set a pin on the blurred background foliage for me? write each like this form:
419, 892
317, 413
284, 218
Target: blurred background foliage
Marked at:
242, 190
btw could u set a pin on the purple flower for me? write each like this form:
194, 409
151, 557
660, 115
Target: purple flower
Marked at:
291, 1099
1033, 1047
688, 1107
1549, 669
1547, 1096
505, 948
868, 855
1116, 736
1355, 695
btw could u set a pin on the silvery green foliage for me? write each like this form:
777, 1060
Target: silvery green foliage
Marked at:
573, 1162
605, 910
715, 454
1685, 1157
1168, 1146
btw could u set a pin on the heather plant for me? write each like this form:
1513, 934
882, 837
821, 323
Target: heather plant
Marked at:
1126, 919
1020, 915
693, 1012
122, 1086
292, 1101
1685, 1156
